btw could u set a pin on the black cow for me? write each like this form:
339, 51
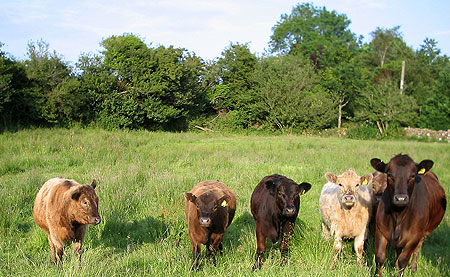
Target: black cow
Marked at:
274, 205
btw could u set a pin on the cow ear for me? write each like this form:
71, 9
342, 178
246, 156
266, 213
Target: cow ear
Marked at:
224, 200
377, 164
94, 184
304, 187
366, 179
191, 197
331, 177
424, 166
76, 194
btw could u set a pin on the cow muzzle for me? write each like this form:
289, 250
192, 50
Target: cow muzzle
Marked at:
95, 220
349, 200
400, 200
205, 221
289, 211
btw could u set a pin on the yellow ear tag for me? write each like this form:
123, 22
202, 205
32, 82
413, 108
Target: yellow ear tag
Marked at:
303, 192
224, 203
422, 171
364, 182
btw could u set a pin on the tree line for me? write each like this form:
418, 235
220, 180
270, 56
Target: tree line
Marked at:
317, 74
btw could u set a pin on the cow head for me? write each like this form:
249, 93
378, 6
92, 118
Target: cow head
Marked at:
379, 183
85, 204
401, 174
349, 185
208, 206
286, 194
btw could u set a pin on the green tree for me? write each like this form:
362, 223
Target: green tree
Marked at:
150, 88
383, 104
46, 71
232, 92
16, 98
291, 95
316, 33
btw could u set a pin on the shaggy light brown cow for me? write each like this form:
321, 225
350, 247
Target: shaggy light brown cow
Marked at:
63, 209
346, 206
209, 208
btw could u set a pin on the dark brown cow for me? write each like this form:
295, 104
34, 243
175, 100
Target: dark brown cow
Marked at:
209, 208
274, 204
63, 209
412, 206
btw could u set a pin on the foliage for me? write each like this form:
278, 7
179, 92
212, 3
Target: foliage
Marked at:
291, 96
316, 33
150, 88
134, 85
436, 109
383, 104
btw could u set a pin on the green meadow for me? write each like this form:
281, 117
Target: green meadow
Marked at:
142, 178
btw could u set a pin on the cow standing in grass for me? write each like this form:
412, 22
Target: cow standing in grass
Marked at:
412, 206
209, 208
274, 205
346, 206
63, 209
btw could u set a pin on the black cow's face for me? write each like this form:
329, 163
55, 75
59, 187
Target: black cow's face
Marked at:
85, 202
401, 173
286, 194
207, 206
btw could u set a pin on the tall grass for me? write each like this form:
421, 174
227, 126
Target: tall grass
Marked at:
142, 177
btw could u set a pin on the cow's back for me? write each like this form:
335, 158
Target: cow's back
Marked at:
48, 200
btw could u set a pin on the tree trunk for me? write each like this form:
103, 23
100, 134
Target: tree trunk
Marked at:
341, 105
340, 117
379, 127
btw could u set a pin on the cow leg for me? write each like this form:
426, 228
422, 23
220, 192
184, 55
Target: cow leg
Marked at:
414, 256
196, 254
326, 232
380, 252
260, 248
78, 242
337, 248
214, 247
403, 258
288, 232
359, 247
57, 249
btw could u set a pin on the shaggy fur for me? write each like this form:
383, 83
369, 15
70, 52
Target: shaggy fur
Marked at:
63, 209
346, 206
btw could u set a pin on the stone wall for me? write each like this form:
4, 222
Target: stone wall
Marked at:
420, 133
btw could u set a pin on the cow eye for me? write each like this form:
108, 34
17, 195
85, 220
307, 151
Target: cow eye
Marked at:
85, 203
357, 185
340, 185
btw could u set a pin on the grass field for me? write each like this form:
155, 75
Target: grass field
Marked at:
142, 177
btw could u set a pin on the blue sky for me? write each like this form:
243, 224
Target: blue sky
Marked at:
205, 27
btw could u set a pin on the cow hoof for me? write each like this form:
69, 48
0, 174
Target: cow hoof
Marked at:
256, 267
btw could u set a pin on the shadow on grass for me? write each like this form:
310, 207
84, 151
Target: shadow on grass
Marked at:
123, 235
238, 227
